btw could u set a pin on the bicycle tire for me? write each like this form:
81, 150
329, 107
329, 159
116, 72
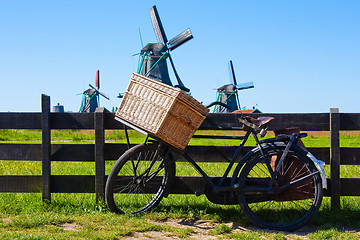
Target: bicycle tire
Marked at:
139, 180
285, 210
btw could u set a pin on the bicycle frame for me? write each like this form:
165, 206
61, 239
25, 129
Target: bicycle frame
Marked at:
229, 167
233, 186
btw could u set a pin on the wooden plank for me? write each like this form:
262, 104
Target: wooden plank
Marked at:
305, 121
73, 183
59, 183
20, 120
59, 152
211, 153
112, 151
335, 157
188, 185
86, 184
349, 121
99, 154
46, 148
191, 185
200, 153
20, 183
23, 152
72, 120
208, 153
111, 123
350, 156
349, 186
72, 152
321, 153
182, 184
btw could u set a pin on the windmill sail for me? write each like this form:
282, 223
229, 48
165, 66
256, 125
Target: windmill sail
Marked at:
246, 85
233, 73
97, 79
180, 39
158, 27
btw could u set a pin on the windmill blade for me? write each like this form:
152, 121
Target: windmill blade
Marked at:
181, 85
246, 85
141, 41
233, 73
98, 92
91, 86
104, 95
158, 27
97, 79
180, 39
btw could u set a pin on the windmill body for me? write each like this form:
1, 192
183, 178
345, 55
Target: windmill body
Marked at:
90, 101
227, 94
154, 65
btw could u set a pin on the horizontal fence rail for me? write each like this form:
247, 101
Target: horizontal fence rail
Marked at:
100, 151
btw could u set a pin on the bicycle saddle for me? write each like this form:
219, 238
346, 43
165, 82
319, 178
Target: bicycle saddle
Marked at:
260, 121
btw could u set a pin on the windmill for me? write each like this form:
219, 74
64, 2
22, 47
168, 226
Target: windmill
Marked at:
228, 93
91, 97
153, 56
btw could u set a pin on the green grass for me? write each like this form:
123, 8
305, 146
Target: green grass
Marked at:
347, 139
24, 216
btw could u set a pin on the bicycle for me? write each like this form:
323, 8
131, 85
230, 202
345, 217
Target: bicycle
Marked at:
277, 184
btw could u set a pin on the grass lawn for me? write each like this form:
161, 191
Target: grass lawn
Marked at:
78, 216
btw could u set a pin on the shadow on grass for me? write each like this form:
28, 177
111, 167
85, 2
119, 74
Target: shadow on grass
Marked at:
203, 210
346, 218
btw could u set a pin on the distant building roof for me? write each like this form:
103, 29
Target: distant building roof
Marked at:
254, 110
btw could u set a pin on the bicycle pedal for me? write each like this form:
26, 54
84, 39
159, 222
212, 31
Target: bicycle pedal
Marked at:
198, 193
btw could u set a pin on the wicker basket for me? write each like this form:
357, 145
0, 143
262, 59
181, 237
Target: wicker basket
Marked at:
164, 111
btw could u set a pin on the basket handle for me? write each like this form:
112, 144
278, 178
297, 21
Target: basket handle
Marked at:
186, 119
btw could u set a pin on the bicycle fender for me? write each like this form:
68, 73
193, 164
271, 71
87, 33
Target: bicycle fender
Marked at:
318, 164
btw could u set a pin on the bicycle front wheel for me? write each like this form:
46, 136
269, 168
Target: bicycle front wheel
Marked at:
287, 203
139, 180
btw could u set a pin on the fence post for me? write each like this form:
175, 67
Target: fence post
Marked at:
335, 157
99, 154
46, 148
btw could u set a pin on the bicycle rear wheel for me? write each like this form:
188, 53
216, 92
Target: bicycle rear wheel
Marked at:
139, 180
272, 205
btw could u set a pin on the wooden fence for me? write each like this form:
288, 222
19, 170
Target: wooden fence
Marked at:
99, 152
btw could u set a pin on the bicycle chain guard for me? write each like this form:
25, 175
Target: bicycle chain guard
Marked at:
224, 198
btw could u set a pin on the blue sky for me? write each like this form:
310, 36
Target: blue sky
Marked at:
303, 56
